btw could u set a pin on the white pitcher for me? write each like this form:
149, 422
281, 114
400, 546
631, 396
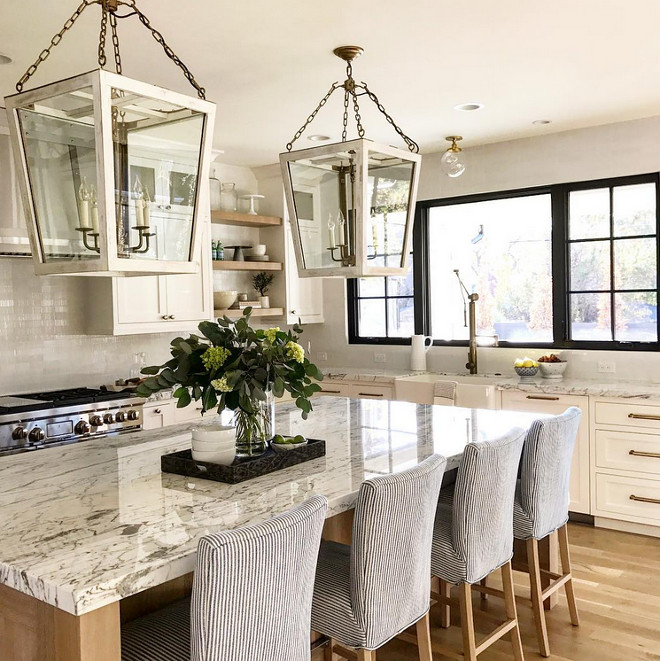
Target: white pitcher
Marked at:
420, 345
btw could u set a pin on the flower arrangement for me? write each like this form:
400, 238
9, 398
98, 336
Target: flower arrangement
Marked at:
232, 366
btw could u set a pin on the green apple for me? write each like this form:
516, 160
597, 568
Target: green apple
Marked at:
279, 439
298, 439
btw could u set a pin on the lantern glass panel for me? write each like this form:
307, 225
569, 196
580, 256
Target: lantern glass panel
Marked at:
389, 189
59, 139
156, 152
323, 192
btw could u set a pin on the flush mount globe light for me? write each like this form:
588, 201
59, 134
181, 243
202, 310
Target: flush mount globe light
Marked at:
351, 203
115, 171
452, 162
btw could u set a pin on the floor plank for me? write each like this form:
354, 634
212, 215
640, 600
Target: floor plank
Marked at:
618, 592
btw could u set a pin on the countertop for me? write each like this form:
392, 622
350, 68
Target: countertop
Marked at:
85, 525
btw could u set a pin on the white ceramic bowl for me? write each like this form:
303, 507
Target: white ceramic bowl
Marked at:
553, 370
259, 250
214, 433
213, 446
222, 457
224, 299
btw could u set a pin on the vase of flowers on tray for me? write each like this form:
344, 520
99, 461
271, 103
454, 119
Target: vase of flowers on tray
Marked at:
233, 366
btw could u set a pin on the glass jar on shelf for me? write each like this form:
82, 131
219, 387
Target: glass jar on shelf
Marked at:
228, 197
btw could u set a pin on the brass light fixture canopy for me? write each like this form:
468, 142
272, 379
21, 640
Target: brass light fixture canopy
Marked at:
115, 171
351, 203
454, 140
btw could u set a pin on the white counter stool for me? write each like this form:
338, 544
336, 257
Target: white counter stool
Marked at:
444, 393
251, 597
367, 593
474, 537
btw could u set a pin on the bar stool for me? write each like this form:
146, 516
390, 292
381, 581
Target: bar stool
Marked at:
251, 597
367, 593
444, 393
541, 507
474, 536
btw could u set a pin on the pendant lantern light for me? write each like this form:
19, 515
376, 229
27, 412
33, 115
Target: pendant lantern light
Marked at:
452, 162
352, 203
115, 171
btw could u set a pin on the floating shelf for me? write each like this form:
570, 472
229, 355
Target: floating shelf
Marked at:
227, 265
256, 312
244, 219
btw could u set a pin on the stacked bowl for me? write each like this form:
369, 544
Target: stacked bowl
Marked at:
214, 443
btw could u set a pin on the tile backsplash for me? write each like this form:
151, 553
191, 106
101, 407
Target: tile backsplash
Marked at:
43, 344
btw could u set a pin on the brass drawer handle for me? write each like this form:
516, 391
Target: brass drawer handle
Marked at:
157, 411
331, 392
548, 399
643, 416
370, 394
637, 453
641, 499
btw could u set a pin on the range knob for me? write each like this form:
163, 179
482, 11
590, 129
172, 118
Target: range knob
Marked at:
36, 435
120, 417
96, 421
19, 434
108, 418
133, 415
82, 427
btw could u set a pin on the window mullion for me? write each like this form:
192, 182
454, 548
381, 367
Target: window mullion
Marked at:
612, 311
560, 304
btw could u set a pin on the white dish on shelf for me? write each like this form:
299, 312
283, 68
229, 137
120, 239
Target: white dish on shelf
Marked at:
224, 299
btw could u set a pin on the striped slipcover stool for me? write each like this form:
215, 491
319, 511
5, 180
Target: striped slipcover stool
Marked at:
367, 593
251, 597
474, 536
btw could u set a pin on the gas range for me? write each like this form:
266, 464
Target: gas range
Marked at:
40, 420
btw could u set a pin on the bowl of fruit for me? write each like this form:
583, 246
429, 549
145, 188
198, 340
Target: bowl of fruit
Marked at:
552, 366
526, 369
286, 443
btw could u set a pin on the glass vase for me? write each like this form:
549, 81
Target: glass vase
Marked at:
228, 197
254, 430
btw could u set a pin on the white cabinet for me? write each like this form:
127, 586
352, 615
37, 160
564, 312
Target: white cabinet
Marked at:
334, 388
368, 391
158, 414
555, 404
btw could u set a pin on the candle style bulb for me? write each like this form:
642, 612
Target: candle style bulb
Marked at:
139, 202
83, 204
341, 221
94, 204
331, 232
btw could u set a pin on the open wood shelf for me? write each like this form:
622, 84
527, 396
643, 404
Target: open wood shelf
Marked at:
256, 312
227, 265
244, 219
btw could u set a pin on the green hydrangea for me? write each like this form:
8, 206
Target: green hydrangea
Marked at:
271, 333
221, 385
294, 352
214, 357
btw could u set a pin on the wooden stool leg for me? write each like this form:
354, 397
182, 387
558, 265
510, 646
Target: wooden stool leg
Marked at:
424, 639
445, 609
327, 651
467, 622
366, 655
510, 604
483, 597
565, 554
537, 600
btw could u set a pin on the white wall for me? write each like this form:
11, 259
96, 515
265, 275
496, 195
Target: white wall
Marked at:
605, 151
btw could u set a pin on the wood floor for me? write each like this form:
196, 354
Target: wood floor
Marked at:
617, 582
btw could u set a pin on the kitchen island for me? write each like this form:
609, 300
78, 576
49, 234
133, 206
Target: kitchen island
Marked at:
94, 533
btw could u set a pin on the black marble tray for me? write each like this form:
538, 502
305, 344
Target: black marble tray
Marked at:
182, 463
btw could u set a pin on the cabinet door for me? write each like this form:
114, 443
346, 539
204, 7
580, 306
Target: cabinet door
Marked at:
555, 404
368, 391
157, 414
141, 300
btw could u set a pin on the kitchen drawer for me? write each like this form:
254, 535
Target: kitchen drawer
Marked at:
157, 414
628, 451
334, 389
628, 498
189, 413
642, 416
358, 391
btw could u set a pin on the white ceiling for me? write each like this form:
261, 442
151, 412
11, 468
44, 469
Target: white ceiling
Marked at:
267, 64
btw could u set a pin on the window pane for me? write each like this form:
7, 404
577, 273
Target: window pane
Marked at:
401, 285
503, 251
636, 317
635, 264
371, 287
401, 317
634, 210
371, 319
590, 317
589, 214
590, 265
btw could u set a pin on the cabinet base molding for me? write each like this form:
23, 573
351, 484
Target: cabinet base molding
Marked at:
626, 526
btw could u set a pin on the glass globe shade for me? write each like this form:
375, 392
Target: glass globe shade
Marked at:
452, 163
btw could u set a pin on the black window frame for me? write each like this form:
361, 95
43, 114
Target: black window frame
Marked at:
559, 197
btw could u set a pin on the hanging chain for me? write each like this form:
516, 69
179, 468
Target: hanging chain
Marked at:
43, 56
104, 31
115, 43
344, 132
310, 119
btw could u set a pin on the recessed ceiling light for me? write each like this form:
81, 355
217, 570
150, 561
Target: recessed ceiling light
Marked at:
318, 138
468, 107
542, 122
5, 59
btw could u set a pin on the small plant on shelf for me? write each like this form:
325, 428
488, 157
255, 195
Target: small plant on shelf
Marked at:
261, 282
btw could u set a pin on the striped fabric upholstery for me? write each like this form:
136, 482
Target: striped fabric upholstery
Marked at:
369, 592
542, 497
251, 598
475, 536
444, 392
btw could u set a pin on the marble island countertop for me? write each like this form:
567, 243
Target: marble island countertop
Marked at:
85, 525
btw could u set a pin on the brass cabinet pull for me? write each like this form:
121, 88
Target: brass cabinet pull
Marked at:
637, 453
331, 392
157, 411
546, 398
643, 416
641, 499
370, 394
